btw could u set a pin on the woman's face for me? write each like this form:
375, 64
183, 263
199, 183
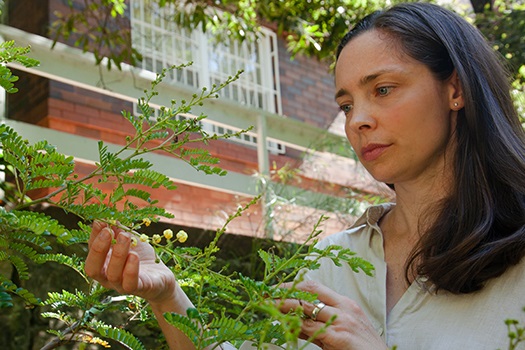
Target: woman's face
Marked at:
398, 115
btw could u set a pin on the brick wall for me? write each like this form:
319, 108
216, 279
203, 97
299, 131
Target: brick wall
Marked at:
198, 207
30, 104
307, 89
29, 15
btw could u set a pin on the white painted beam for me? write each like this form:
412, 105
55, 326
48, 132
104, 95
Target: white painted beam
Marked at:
86, 149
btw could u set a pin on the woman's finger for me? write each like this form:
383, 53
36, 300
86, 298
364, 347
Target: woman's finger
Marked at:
318, 311
96, 228
130, 275
323, 293
119, 256
98, 252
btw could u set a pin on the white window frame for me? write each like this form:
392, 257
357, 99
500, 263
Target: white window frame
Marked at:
155, 38
162, 45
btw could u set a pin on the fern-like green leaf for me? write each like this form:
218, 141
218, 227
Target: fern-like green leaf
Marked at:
20, 266
61, 316
106, 158
135, 192
41, 224
339, 254
72, 261
254, 287
24, 250
7, 286
137, 122
184, 324
44, 183
3, 256
274, 262
122, 336
161, 135
5, 298
120, 166
15, 149
77, 300
150, 178
30, 238
223, 329
117, 194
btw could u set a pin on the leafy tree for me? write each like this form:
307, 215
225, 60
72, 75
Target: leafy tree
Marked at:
502, 22
312, 28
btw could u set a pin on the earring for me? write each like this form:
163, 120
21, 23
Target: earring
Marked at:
456, 104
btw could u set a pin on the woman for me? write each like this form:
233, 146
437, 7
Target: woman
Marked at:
428, 111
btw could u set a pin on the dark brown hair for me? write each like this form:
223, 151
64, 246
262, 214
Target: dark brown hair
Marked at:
480, 228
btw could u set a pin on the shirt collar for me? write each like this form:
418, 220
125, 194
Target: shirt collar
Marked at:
373, 214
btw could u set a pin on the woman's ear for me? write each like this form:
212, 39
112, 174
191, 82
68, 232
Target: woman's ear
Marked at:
455, 92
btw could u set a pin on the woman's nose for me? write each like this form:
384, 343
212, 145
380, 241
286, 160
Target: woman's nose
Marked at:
362, 119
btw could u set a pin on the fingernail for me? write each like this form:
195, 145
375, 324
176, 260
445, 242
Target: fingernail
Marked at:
122, 237
105, 234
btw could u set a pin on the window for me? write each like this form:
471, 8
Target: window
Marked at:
163, 44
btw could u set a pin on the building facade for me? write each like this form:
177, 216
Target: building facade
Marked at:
74, 103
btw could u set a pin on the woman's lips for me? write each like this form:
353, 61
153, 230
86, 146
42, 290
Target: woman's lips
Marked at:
373, 151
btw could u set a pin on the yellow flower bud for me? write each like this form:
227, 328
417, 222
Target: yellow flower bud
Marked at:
182, 236
134, 241
144, 238
168, 234
156, 239
146, 221
97, 340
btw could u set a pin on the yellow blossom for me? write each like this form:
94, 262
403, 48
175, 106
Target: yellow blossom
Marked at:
182, 236
95, 340
146, 221
168, 234
156, 239
134, 241
144, 238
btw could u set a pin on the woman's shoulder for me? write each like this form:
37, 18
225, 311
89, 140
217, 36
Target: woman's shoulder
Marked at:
362, 228
512, 279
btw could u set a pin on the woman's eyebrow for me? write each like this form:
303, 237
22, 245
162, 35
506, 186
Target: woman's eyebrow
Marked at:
367, 79
339, 93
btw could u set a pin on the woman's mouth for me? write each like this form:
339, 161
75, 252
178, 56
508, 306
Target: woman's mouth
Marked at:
372, 151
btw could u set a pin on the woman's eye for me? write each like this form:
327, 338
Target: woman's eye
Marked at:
384, 90
346, 108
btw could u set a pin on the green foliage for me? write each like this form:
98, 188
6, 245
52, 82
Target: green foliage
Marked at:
504, 27
246, 308
122, 336
228, 307
8, 288
97, 27
312, 28
516, 333
11, 53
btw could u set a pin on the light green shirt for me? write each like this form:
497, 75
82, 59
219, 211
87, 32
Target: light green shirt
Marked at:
423, 319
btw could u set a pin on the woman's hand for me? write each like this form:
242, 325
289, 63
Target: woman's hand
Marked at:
135, 271
125, 269
351, 329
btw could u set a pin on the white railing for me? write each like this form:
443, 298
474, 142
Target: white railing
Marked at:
212, 128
